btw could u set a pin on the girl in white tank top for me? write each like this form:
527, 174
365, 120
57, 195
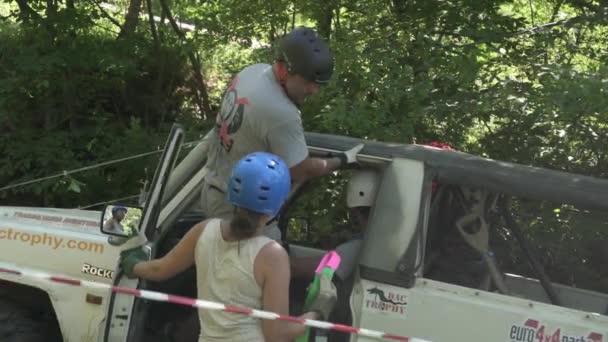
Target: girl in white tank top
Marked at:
235, 263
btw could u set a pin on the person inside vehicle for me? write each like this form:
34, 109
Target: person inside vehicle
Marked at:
235, 263
260, 112
113, 224
449, 257
360, 196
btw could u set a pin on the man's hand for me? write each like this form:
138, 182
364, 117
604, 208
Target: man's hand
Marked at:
129, 258
326, 299
350, 156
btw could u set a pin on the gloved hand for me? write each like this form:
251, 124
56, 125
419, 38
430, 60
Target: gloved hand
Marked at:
349, 156
326, 299
129, 258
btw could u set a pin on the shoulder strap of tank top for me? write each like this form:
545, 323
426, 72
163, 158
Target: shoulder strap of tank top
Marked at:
212, 231
260, 242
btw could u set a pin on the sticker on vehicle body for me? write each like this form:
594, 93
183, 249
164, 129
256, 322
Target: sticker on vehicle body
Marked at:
534, 331
384, 301
97, 271
77, 222
49, 240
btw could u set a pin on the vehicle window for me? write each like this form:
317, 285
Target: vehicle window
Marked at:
570, 244
318, 217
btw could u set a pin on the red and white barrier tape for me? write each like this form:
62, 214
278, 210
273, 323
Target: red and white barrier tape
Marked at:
204, 304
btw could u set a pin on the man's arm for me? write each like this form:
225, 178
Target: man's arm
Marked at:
314, 167
287, 141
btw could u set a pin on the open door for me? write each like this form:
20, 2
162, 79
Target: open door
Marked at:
126, 314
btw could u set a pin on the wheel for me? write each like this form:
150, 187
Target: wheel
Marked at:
18, 324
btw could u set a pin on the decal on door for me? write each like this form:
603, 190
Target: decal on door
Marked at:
534, 331
385, 301
97, 271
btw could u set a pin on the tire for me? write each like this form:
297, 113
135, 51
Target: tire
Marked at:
18, 324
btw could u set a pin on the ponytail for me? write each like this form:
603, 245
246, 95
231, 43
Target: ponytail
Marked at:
244, 223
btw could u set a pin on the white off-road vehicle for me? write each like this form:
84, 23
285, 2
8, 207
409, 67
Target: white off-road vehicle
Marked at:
429, 266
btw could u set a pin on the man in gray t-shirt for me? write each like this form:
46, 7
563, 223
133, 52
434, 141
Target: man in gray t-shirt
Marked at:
260, 112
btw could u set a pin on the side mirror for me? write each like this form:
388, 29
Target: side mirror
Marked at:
120, 220
298, 228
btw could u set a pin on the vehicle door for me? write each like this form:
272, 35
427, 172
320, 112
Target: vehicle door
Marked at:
126, 314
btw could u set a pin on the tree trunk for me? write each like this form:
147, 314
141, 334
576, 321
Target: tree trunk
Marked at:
131, 19
161, 32
337, 9
203, 102
152, 25
26, 12
272, 31
324, 18
293, 15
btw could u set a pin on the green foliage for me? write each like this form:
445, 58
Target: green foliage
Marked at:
131, 221
80, 100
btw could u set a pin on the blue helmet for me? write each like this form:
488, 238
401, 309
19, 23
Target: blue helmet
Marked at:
259, 182
117, 208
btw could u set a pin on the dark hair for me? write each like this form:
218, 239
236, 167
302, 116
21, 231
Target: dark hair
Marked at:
244, 223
